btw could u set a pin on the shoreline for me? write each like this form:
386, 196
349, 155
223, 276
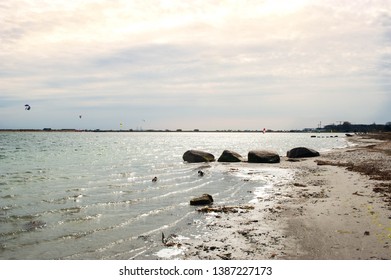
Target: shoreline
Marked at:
330, 210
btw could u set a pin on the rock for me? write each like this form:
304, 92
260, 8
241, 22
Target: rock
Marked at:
301, 152
261, 156
230, 156
33, 225
192, 156
205, 199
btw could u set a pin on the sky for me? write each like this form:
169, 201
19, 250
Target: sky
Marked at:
217, 64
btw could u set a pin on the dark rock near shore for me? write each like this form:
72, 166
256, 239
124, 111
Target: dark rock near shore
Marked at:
302, 152
230, 156
205, 199
261, 156
192, 156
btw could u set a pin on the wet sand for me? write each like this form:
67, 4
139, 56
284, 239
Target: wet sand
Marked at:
338, 206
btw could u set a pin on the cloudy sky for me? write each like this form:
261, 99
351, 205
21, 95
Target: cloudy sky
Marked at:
217, 64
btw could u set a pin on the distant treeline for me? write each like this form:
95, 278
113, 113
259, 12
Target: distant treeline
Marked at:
349, 127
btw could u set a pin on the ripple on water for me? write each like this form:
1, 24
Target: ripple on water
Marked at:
63, 200
9, 196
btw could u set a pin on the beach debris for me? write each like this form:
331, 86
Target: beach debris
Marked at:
230, 156
262, 156
154, 179
244, 232
200, 173
205, 199
324, 162
358, 194
170, 240
225, 256
226, 209
193, 156
33, 225
299, 185
275, 210
27, 107
302, 152
320, 194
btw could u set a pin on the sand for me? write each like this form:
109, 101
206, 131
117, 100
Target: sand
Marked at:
337, 206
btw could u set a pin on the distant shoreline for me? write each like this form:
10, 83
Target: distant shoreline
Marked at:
346, 127
165, 130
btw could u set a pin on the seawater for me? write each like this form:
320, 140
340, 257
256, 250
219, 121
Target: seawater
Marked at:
91, 195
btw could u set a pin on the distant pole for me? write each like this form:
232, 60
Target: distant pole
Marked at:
320, 125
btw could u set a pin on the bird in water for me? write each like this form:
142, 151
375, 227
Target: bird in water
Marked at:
33, 225
27, 107
200, 173
154, 179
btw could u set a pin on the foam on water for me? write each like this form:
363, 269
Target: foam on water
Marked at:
169, 253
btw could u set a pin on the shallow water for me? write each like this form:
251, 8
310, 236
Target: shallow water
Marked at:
91, 195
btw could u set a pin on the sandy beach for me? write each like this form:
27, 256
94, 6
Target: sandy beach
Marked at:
337, 206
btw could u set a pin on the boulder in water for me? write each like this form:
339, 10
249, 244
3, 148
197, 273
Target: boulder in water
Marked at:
192, 156
261, 156
230, 156
205, 199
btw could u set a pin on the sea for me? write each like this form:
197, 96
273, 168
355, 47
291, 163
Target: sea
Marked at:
87, 195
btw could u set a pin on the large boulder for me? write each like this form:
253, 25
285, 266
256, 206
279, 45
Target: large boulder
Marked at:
261, 156
205, 199
230, 156
302, 152
197, 156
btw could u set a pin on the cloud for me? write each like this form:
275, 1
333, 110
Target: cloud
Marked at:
219, 62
